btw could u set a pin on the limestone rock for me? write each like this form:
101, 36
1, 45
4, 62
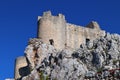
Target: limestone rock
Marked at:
45, 62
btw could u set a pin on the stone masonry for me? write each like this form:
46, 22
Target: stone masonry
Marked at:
19, 64
56, 31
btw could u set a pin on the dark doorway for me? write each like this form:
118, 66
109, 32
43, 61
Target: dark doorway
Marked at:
51, 42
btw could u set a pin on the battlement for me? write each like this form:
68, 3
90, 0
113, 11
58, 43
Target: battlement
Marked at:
56, 31
49, 14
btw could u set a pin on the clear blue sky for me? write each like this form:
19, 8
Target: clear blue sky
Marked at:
18, 22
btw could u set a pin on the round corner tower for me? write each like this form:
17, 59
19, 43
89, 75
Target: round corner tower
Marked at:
51, 29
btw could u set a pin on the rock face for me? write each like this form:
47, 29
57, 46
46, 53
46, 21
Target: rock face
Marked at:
47, 63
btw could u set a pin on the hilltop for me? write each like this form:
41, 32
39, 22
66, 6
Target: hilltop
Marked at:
64, 51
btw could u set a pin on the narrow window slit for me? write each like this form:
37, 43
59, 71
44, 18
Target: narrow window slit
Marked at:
51, 42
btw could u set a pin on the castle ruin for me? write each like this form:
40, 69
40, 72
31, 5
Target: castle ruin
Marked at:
54, 30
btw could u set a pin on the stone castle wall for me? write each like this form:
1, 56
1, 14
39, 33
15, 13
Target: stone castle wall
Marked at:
52, 28
64, 34
74, 39
19, 64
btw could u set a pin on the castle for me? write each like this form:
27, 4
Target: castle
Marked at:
54, 30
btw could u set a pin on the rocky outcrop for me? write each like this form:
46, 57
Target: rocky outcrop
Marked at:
47, 63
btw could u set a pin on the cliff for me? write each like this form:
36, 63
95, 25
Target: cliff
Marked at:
62, 56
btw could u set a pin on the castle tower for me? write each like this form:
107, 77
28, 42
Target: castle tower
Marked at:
93, 25
51, 29
93, 31
20, 63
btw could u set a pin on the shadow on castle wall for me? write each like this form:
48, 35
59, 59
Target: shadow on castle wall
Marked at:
24, 71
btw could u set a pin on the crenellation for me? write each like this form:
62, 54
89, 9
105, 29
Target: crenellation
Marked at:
39, 17
47, 14
61, 16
